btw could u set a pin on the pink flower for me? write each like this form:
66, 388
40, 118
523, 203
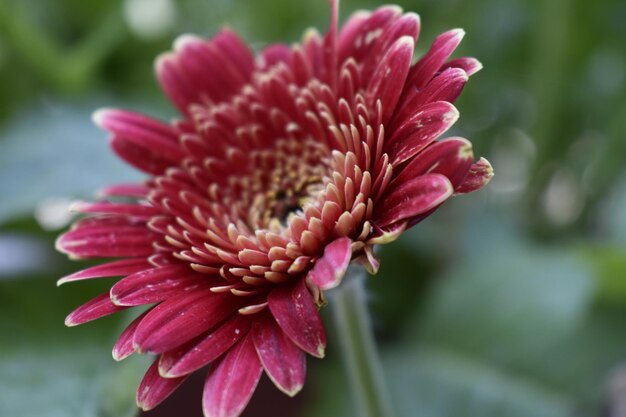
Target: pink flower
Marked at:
282, 169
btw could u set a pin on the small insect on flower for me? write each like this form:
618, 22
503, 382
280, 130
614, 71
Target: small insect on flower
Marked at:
282, 169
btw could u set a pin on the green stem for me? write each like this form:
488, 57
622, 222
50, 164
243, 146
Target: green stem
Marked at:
358, 347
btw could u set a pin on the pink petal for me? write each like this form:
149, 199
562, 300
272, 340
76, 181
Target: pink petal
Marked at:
110, 269
446, 86
330, 268
470, 65
124, 347
232, 381
284, 362
125, 190
198, 353
181, 318
478, 176
126, 209
153, 388
441, 49
113, 241
274, 54
142, 131
141, 158
451, 157
411, 198
424, 127
295, 311
94, 309
388, 79
155, 284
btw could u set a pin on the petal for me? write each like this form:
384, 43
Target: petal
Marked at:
274, 54
232, 381
155, 284
478, 176
450, 157
110, 269
142, 131
141, 211
141, 158
330, 268
411, 198
470, 65
153, 388
388, 79
181, 318
426, 68
124, 347
125, 190
93, 309
420, 130
107, 241
198, 353
296, 313
284, 362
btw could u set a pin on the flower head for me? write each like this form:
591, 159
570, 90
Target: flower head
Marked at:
282, 169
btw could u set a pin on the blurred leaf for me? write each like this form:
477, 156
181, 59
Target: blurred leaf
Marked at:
47, 370
510, 333
55, 151
609, 263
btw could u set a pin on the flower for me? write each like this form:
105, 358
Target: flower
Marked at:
282, 169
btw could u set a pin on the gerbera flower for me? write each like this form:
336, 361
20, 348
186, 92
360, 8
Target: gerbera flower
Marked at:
282, 169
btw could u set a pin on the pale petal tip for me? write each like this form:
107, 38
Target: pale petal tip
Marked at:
182, 40
99, 116
69, 321
458, 33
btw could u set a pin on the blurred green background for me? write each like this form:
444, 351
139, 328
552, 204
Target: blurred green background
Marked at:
508, 302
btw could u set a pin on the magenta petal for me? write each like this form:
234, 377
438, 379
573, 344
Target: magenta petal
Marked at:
110, 269
181, 318
284, 362
107, 241
141, 130
274, 54
232, 381
93, 309
153, 388
140, 157
124, 347
451, 157
155, 284
330, 268
470, 65
198, 353
420, 130
296, 313
127, 209
439, 52
388, 79
478, 176
413, 197
125, 190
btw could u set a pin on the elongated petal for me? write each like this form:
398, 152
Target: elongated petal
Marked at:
125, 190
124, 347
439, 52
110, 269
114, 241
94, 309
153, 388
141, 158
388, 79
330, 268
141, 130
283, 361
198, 353
423, 128
470, 65
155, 284
181, 318
478, 176
411, 198
296, 313
450, 157
231, 382
126, 209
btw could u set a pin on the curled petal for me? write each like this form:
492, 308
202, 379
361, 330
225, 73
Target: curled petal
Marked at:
478, 176
411, 198
296, 313
110, 269
153, 388
283, 361
431, 63
330, 268
232, 380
